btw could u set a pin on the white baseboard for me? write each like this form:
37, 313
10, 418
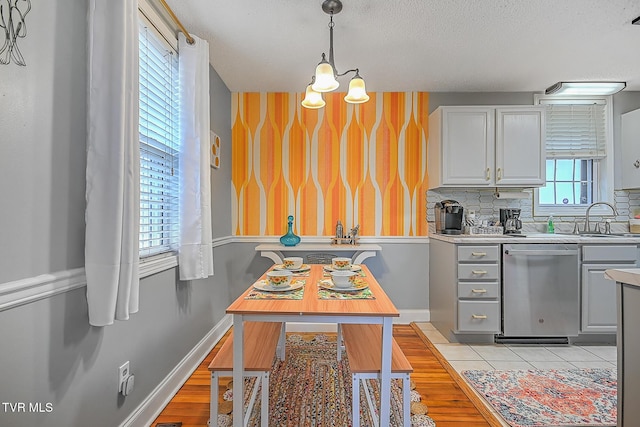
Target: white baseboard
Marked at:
152, 406
408, 316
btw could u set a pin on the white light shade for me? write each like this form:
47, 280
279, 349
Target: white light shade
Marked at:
312, 99
325, 78
357, 92
585, 88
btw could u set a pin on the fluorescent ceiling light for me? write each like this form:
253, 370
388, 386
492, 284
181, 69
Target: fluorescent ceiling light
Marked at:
585, 88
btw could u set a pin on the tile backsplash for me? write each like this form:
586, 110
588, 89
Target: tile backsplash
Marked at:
487, 206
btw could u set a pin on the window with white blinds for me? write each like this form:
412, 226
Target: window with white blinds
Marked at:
159, 144
576, 130
579, 167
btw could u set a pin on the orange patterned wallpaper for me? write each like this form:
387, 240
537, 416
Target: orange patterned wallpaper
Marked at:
363, 164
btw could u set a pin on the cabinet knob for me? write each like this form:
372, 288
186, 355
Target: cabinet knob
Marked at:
636, 164
479, 316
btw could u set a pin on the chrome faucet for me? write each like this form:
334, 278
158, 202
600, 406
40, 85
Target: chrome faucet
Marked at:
587, 226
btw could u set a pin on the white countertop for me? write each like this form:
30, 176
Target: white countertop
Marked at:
533, 238
630, 276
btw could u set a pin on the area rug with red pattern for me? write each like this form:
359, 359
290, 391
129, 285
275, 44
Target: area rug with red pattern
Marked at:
550, 398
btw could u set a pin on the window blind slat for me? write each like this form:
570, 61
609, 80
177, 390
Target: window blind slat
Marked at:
159, 145
576, 131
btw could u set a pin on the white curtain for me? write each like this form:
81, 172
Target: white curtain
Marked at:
195, 253
113, 162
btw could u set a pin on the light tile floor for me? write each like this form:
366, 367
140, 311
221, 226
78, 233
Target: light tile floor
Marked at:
520, 356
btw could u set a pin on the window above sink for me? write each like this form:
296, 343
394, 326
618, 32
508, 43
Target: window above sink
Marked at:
579, 167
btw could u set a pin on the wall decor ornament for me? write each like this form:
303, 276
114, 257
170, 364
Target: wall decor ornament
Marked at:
215, 149
12, 21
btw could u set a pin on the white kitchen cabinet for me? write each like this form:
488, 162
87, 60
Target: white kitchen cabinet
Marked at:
487, 146
598, 313
630, 164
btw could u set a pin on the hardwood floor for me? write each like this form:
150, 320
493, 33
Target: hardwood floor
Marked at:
435, 380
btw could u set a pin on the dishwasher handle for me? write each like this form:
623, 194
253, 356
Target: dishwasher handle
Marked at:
535, 252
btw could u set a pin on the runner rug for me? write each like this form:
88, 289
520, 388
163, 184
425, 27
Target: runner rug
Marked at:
546, 398
311, 388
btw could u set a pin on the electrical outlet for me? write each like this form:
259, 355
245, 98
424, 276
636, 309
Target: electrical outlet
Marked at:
123, 374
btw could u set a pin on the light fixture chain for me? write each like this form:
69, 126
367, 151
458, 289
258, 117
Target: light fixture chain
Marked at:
331, 61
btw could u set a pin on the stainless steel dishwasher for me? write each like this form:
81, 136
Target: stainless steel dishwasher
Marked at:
540, 291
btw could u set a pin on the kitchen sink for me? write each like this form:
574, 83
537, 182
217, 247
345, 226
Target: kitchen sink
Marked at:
600, 234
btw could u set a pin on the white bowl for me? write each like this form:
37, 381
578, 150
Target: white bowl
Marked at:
292, 262
279, 278
343, 279
341, 263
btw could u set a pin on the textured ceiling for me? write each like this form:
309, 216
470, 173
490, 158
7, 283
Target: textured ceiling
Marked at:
420, 45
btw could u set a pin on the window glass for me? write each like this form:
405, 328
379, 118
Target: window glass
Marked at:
569, 182
159, 144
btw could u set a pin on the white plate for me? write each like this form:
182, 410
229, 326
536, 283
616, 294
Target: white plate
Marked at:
354, 267
263, 286
303, 268
329, 285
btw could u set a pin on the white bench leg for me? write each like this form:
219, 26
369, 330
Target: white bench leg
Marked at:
406, 400
339, 341
213, 404
355, 404
370, 403
282, 341
264, 402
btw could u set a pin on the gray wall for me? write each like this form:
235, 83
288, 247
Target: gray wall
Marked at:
221, 177
42, 134
49, 353
402, 269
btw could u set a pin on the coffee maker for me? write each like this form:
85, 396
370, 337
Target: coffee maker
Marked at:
449, 216
510, 220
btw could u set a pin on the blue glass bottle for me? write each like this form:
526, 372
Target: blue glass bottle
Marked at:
290, 239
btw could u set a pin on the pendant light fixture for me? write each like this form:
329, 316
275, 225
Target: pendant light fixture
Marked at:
325, 78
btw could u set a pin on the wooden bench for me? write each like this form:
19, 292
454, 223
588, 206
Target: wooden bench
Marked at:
363, 346
261, 341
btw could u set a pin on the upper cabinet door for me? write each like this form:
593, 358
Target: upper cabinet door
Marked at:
630, 163
520, 147
468, 146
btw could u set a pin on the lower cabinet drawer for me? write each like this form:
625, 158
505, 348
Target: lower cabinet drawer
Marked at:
478, 272
483, 290
479, 316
